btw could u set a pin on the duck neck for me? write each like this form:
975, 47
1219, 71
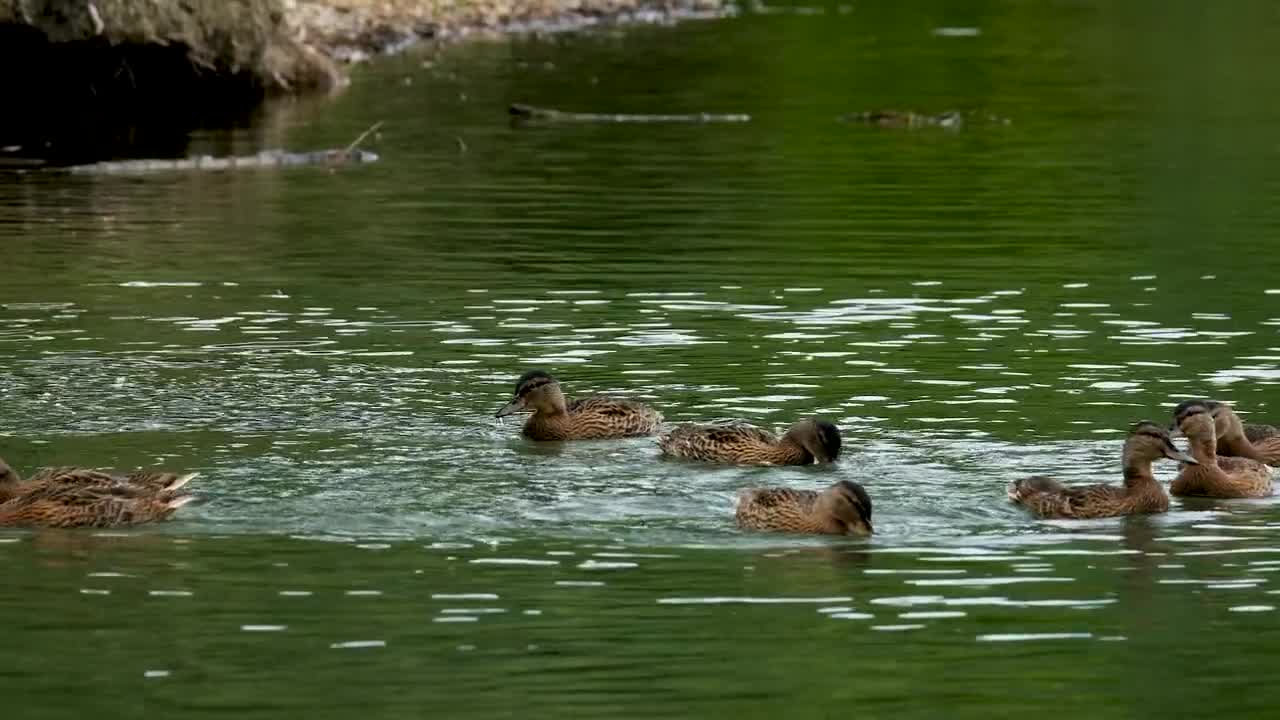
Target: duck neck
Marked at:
1204, 450
1234, 442
1137, 473
791, 452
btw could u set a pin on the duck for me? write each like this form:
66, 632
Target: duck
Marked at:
589, 418
844, 508
1256, 442
71, 497
810, 440
1147, 442
1213, 475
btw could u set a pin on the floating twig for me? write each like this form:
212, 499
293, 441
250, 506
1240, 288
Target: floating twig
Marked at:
949, 120
521, 111
356, 143
264, 159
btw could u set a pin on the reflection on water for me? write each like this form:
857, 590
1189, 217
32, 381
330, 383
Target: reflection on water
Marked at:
328, 349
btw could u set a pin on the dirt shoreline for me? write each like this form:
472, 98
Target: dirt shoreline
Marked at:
247, 49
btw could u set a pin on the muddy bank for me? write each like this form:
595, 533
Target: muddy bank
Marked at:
102, 79
252, 48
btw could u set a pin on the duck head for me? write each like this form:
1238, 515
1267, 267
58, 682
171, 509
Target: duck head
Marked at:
846, 509
1194, 419
536, 391
820, 438
1148, 441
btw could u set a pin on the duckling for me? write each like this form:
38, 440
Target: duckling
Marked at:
1147, 442
589, 418
1256, 442
808, 441
1213, 475
842, 509
68, 497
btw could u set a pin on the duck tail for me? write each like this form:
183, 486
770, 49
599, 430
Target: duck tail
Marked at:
1019, 490
177, 502
180, 481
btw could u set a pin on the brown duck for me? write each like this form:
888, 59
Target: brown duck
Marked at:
68, 497
1147, 442
589, 418
808, 441
1256, 442
1214, 475
842, 509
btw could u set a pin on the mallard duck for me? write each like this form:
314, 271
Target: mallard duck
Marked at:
589, 418
68, 497
808, 441
842, 509
1213, 475
1256, 442
1147, 442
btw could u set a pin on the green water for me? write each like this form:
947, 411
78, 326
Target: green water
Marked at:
328, 349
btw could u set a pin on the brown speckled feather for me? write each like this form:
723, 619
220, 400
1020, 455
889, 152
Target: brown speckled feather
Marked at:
1265, 449
732, 443
1230, 477
1203, 422
1049, 499
595, 418
1255, 433
842, 509
148, 479
778, 509
68, 497
591, 418
1269, 448
1140, 494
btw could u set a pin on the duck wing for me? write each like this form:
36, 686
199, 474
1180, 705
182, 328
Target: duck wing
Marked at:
716, 442
71, 476
1240, 477
774, 508
70, 504
598, 416
1256, 433
1048, 498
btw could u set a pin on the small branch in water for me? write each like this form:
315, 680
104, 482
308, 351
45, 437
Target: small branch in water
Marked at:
520, 111
356, 143
949, 120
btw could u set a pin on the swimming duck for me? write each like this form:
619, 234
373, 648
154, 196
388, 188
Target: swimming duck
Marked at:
808, 441
842, 509
1214, 475
67, 497
589, 418
1256, 442
1147, 442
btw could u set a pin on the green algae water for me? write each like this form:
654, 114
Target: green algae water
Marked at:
971, 306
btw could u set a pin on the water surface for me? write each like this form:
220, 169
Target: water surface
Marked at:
328, 349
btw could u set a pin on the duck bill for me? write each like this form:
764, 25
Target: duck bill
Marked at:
1181, 457
510, 408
